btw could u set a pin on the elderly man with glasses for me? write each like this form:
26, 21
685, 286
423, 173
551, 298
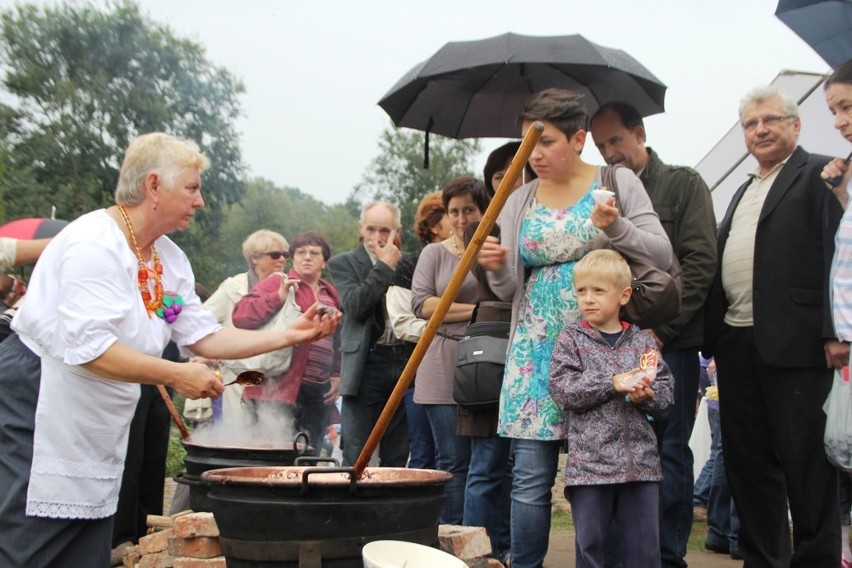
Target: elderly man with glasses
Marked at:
769, 326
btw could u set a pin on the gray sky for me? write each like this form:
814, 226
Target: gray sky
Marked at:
314, 70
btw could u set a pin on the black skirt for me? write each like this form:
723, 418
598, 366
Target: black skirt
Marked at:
35, 542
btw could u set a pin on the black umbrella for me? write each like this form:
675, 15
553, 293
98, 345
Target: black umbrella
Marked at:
826, 25
472, 89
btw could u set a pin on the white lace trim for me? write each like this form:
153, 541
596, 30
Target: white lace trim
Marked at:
69, 468
53, 510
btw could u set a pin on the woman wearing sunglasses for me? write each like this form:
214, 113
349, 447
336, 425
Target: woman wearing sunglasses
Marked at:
266, 252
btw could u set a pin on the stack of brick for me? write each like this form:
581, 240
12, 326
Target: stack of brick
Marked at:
470, 544
193, 542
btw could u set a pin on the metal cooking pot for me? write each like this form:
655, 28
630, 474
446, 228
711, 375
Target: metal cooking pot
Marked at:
203, 457
320, 516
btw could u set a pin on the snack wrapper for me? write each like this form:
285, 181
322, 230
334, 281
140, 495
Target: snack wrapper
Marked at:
647, 369
600, 196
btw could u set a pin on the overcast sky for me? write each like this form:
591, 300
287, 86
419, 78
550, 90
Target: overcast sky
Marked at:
314, 70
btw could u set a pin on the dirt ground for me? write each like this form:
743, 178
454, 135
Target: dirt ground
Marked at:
561, 555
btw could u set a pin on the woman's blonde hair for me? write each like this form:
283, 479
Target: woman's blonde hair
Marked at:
261, 241
604, 264
160, 153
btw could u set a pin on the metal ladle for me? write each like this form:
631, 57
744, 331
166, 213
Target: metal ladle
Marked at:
248, 378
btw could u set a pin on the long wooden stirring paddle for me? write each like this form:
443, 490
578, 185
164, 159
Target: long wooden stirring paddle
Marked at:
184, 433
465, 264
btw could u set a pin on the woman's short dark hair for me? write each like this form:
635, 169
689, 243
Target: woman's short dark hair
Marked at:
429, 213
310, 238
843, 74
564, 109
499, 159
465, 185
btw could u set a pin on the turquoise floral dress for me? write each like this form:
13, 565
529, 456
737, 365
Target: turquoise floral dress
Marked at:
551, 241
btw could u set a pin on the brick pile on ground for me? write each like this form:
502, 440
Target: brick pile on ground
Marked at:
469, 544
191, 542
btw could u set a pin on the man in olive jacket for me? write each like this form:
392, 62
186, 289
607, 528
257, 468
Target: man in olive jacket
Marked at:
682, 200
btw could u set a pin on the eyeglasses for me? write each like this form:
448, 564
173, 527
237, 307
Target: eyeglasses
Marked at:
305, 252
276, 254
768, 121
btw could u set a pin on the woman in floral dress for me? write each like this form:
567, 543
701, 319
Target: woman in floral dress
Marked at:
545, 231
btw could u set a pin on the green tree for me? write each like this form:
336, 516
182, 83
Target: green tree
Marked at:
286, 210
81, 83
397, 173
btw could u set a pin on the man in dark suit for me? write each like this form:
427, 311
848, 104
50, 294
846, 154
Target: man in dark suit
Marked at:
768, 323
373, 359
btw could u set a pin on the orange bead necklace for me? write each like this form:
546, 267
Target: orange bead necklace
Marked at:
145, 274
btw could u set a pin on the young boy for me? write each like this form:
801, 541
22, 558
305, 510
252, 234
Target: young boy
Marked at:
612, 469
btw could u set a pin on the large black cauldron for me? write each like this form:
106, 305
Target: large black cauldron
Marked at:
204, 457
320, 516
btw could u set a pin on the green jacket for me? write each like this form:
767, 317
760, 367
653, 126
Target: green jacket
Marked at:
683, 203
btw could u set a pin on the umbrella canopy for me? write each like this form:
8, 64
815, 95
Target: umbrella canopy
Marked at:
32, 228
826, 25
474, 89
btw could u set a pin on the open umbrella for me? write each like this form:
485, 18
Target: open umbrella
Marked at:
474, 89
32, 228
826, 25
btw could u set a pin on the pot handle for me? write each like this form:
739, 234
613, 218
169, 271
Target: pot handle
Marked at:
184, 480
311, 460
306, 443
353, 478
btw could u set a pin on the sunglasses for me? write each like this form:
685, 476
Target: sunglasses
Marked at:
276, 254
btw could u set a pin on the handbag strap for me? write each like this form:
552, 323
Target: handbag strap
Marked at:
493, 304
608, 180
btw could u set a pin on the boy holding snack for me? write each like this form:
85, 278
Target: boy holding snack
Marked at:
609, 377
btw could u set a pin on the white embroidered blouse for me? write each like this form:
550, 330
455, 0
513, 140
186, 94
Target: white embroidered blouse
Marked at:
82, 298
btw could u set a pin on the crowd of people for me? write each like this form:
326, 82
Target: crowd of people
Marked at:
767, 294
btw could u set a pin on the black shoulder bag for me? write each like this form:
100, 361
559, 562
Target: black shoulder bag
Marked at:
481, 359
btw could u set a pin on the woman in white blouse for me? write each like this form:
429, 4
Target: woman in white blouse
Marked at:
106, 296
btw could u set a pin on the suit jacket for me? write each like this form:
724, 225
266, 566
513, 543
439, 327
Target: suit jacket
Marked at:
362, 288
793, 247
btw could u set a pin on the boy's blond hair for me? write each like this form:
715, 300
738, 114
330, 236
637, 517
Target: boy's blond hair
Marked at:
604, 264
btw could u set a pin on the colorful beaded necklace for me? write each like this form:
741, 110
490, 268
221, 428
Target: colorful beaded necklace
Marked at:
145, 274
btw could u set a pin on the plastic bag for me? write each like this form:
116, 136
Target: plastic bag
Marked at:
198, 410
838, 421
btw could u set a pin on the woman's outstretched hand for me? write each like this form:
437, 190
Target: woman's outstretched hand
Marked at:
313, 324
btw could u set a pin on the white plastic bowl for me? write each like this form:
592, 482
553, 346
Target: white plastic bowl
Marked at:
400, 554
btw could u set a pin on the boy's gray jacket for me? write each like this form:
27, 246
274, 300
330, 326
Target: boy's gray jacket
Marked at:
610, 439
